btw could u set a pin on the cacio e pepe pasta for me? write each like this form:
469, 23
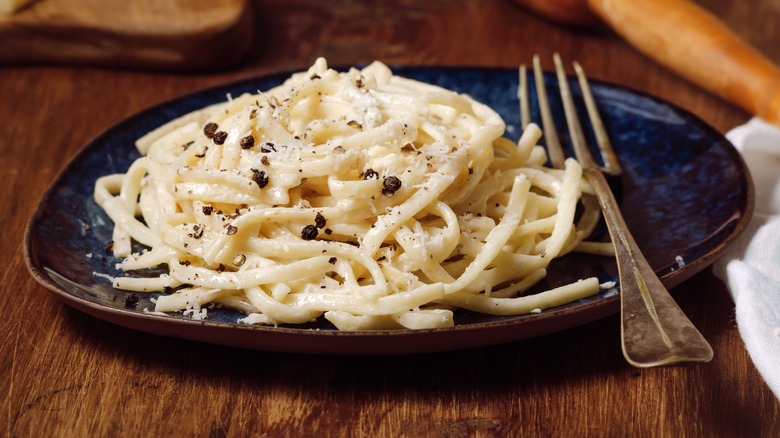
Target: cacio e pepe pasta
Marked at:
369, 199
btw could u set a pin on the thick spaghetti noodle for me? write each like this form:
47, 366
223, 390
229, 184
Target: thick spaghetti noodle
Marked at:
377, 201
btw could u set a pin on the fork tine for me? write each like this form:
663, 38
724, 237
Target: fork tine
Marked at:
572, 120
522, 96
554, 149
608, 156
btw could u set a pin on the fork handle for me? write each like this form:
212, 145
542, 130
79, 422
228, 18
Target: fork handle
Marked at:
654, 330
695, 44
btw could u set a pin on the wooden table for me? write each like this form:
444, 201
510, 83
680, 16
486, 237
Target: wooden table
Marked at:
64, 373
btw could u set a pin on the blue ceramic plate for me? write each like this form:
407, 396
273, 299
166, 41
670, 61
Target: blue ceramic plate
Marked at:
685, 194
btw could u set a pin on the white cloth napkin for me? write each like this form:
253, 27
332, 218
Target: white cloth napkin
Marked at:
751, 268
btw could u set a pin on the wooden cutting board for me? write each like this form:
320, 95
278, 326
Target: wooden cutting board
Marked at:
148, 34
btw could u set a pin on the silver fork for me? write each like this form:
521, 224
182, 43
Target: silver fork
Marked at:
654, 330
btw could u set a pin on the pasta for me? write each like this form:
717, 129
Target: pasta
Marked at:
372, 200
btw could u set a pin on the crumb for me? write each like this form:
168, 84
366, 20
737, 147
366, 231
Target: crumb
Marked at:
607, 285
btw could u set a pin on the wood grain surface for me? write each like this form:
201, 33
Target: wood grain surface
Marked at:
66, 374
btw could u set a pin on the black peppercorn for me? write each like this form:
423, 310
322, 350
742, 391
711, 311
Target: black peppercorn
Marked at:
370, 173
247, 142
391, 185
309, 232
320, 220
220, 137
210, 129
131, 301
259, 177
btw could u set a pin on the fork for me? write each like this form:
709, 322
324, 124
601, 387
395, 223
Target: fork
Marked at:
654, 330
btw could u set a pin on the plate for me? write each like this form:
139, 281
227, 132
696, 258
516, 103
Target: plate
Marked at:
685, 194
